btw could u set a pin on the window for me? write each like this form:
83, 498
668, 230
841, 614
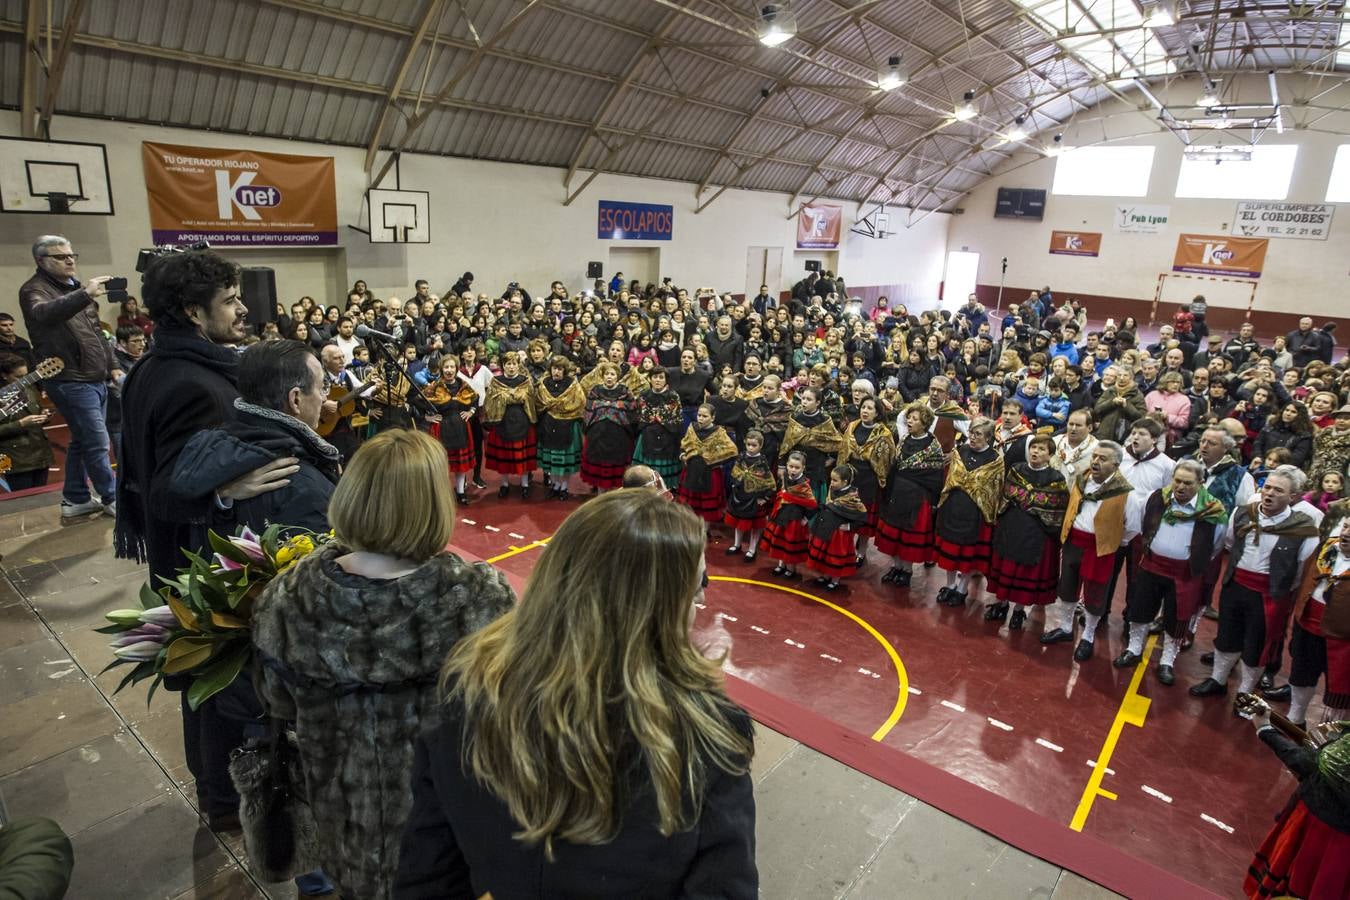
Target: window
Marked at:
1338, 191
1265, 177
1128, 51
1103, 171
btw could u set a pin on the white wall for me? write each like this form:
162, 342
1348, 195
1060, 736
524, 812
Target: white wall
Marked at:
503, 222
1299, 276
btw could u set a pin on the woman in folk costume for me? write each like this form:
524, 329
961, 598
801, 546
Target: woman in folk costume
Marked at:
831, 551
751, 488
967, 511
787, 536
1024, 566
769, 412
561, 403
609, 432
1320, 645
456, 401
814, 433
509, 417
750, 384
905, 515
1307, 852
660, 423
703, 449
869, 447
615, 355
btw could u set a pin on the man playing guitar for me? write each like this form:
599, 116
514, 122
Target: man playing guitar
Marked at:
344, 394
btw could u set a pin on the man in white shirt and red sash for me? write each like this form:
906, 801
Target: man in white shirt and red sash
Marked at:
1321, 641
1094, 530
1269, 543
1147, 469
1181, 529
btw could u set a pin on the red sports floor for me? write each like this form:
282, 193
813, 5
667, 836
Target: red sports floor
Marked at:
988, 725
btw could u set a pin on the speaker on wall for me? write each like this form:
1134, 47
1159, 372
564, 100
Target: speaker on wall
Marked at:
813, 265
258, 285
595, 270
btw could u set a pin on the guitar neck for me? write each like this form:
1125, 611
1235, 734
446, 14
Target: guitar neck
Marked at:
1290, 730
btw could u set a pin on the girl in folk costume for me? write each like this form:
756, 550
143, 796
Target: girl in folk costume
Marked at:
703, 449
1321, 642
750, 386
966, 512
1024, 565
787, 538
812, 432
905, 516
831, 551
660, 424
729, 411
869, 447
609, 432
769, 412
752, 487
509, 416
456, 401
560, 402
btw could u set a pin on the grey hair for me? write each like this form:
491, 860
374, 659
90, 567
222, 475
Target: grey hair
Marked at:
1293, 474
983, 426
48, 241
1113, 448
942, 380
1193, 466
1228, 442
864, 385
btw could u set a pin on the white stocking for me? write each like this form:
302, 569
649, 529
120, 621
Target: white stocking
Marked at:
1299, 699
1250, 675
1090, 627
1064, 615
1137, 633
1223, 665
1171, 647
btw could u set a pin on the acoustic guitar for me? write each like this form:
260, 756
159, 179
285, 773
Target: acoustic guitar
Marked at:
346, 405
5, 463
1312, 736
13, 399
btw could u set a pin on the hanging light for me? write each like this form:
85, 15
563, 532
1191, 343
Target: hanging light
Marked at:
777, 24
1209, 97
1056, 146
1160, 14
893, 76
1017, 132
966, 111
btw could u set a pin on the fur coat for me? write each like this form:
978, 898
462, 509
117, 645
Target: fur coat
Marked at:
354, 663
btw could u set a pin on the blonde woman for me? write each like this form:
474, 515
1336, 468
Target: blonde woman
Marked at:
350, 641
587, 747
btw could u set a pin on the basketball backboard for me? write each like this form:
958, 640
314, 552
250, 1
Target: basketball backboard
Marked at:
54, 177
399, 217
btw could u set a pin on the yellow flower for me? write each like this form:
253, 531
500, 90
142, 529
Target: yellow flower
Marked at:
296, 548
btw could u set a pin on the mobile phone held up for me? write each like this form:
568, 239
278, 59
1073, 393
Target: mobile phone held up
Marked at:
116, 288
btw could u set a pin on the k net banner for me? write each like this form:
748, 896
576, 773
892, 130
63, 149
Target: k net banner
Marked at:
1202, 254
818, 227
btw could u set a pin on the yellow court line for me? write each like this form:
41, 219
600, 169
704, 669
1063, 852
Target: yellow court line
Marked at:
516, 551
1133, 710
901, 675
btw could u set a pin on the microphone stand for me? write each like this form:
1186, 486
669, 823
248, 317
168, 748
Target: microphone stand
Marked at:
998, 304
392, 372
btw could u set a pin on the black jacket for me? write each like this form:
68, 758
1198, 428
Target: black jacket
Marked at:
458, 841
62, 320
253, 438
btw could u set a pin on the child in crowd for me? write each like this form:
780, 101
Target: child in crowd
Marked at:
832, 551
609, 434
769, 413
455, 401
751, 489
703, 449
729, 410
1053, 409
1330, 488
1277, 457
508, 418
813, 432
660, 422
786, 535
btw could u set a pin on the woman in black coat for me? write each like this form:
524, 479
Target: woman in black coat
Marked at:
1292, 429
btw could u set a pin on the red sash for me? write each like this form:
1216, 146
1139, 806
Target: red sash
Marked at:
1094, 568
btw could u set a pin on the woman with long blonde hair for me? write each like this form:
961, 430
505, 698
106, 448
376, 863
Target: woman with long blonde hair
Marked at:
587, 746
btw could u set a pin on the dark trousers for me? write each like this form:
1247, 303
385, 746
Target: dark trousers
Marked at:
1122, 558
1242, 623
210, 734
476, 427
22, 481
1096, 597
1149, 595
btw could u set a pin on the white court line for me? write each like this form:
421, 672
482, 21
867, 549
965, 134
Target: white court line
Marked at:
797, 644
833, 659
468, 521
701, 605
760, 630
1049, 746
915, 691
1154, 792
519, 537
491, 528
1213, 821
1092, 763
956, 706
727, 617
997, 724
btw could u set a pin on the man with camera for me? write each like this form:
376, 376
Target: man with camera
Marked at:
61, 316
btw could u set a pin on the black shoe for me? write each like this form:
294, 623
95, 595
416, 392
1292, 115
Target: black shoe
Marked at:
1207, 659
929, 565
524, 492
1126, 660
996, 612
780, 570
832, 585
503, 491
959, 598
792, 576
1154, 627
1083, 652
860, 561
891, 573
1209, 688
1281, 693
478, 482
904, 577
564, 494
822, 579
732, 550
1056, 636
463, 499
1166, 675
1267, 682
942, 595
1017, 620
553, 492
750, 555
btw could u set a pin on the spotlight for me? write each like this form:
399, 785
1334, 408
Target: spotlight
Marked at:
1056, 147
1209, 97
893, 76
1017, 132
776, 24
1160, 14
966, 111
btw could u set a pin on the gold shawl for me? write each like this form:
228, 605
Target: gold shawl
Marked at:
570, 404
984, 485
878, 450
635, 381
501, 395
715, 448
756, 475
822, 436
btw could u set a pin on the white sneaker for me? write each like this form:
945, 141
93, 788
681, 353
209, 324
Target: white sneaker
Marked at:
110, 509
71, 510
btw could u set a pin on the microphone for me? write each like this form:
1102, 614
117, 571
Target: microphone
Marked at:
365, 331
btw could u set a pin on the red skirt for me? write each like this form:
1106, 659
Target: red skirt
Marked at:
709, 504
1029, 585
969, 559
1337, 692
602, 474
510, 457
744, 524
1095, 569
915, 544
787, 543
1302, 856
835, 557
461, 458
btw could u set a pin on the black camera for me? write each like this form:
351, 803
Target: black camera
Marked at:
148, 255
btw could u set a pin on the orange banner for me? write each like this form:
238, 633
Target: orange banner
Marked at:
818, 227
1076, 243
1220, 255
239, 198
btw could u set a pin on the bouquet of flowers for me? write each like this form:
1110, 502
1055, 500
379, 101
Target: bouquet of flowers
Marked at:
198, 623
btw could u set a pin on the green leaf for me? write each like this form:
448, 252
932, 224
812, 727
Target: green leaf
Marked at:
187, 653
142, 671
223, 546
218, 675
114, 629
149, 599
116, 661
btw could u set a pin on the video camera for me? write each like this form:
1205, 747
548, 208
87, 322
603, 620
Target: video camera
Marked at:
147, 255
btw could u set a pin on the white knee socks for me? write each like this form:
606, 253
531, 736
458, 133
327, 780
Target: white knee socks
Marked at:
1064, 615
460, 479
1171, 646
1250, 675
1223, 665
1299, 699
962, 582
1138, 633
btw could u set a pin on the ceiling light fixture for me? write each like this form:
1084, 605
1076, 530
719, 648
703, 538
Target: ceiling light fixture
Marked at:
1217, 154
966, 111
1209, 97
1017, 132
893, 76
1160, 14
1056, 147
777, 24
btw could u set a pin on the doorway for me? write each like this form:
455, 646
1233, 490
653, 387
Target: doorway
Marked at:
959, 282
763, 265
642, 263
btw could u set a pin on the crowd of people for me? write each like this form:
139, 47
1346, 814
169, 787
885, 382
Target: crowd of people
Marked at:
1024, 451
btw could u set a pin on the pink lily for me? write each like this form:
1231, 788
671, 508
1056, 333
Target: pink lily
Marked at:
250, 544
159, 615
142, 652
227, 564
141, 633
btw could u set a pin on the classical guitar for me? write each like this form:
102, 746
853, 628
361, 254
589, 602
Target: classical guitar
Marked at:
1313, 736
346, 405
5, 463
13, 399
